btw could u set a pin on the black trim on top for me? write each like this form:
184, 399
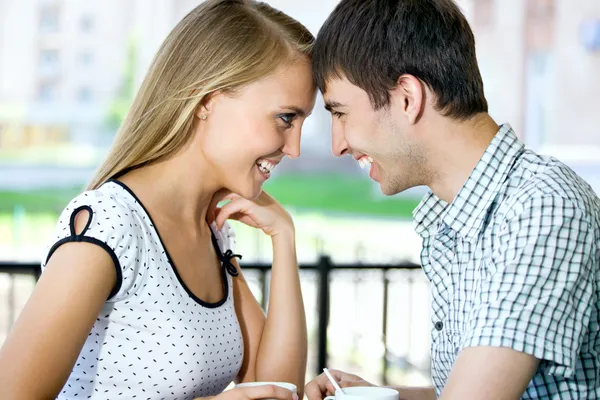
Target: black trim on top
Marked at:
111, 253
125, 171
74, 215
173, 266
225, 258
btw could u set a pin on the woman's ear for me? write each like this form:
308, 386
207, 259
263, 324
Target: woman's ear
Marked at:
205, 106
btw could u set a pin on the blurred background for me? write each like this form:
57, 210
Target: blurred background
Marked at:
70, 68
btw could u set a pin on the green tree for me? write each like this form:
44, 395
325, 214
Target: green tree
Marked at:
122, 101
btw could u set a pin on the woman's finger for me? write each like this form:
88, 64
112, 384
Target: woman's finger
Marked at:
231, 196
244, 219
218, 197
268, 392
211, 215
233, 207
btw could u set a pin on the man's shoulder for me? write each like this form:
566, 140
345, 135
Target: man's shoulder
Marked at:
550, 182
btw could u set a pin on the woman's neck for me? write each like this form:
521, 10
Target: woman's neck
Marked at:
172, 192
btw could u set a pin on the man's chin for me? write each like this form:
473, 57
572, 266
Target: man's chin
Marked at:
390, 190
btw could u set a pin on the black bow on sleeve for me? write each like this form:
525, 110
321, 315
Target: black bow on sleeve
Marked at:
227, 264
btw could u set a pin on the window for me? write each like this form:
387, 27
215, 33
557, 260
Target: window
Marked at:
49, 62
86, 58
590, 34
84, 95
49, 57
87, 23
49, 19
484, 13
540, 25
47, 92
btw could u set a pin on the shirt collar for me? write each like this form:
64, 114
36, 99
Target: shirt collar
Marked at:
427, 213
466, 214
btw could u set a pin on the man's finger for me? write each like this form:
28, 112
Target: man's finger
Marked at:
354, 383
321, 386
330, 388
313, 391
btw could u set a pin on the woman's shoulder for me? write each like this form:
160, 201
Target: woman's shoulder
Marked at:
108, 198
108, 206
110, 217
113, 222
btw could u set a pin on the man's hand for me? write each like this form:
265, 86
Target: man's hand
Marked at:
321, 386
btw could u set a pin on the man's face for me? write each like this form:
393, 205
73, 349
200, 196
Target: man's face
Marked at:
379, 139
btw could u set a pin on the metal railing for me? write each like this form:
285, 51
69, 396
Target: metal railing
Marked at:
323, 268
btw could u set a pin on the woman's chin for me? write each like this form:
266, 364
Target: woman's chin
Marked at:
250, 192
255, 193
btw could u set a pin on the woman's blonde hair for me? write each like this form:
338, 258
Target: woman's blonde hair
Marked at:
220, 45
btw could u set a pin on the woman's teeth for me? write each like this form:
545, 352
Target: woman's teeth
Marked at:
365, 161
265, 166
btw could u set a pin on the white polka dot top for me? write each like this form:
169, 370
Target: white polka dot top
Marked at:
153, 339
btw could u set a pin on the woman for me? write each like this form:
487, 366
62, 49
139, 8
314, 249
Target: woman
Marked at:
141, 296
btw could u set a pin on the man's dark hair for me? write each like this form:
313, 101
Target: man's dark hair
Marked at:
374, 42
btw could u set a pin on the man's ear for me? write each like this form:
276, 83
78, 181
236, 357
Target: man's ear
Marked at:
409, 96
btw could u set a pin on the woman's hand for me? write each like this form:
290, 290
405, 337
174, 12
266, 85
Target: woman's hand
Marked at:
254, 392
264, 213
275, 348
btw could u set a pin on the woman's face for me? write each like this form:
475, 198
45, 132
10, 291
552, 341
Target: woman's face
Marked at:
245, 135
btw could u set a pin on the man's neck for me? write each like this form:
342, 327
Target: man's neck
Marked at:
455, 148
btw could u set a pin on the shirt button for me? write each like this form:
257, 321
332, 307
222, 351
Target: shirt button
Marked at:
439, 325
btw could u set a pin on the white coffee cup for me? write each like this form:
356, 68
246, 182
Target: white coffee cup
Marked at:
365, 393
289, 386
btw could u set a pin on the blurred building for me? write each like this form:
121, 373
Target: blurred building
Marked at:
540, 61
61, 64
66, 64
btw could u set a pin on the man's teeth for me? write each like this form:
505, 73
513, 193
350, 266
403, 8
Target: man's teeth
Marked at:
265, 166
365, 162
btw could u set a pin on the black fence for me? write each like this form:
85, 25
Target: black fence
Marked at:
324, 267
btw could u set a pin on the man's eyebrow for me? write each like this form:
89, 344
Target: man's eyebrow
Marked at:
330, 105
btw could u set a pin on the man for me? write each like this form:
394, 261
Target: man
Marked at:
510, 238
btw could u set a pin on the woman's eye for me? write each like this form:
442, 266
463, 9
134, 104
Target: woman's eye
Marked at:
337, 114
287, 118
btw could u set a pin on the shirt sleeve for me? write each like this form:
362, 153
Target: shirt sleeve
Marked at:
225, 237
111, 225
536, 295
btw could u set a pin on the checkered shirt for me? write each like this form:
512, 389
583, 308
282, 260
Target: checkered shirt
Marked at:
514, 261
